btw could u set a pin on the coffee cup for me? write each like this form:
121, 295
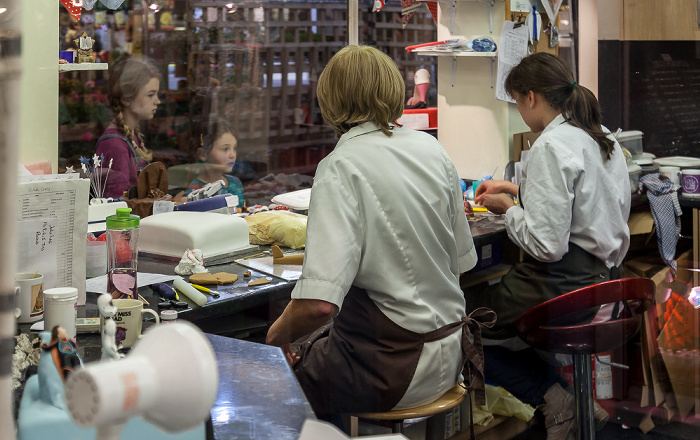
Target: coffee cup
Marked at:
690, 182
29, 296
673, 173
129, 320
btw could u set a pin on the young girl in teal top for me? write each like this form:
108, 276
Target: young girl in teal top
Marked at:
217, 141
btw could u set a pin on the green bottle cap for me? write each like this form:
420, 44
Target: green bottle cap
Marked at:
123, 219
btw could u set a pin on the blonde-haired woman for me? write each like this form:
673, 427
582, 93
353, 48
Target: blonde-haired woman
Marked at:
386, 242
133, 97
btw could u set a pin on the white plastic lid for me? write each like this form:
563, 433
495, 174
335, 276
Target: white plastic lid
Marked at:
60, 293
644, 162
633, 168
168, 315
628, 135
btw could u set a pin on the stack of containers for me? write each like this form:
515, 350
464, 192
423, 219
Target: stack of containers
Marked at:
632, 141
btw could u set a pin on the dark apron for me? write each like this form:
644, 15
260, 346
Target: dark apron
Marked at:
532, 282
364, 362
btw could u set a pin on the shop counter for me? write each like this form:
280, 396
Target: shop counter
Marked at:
258, 395
230, 313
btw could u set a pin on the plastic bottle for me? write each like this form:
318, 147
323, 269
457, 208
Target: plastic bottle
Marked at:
122, 254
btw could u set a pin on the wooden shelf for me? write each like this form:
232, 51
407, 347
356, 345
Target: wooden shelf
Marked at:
72, 67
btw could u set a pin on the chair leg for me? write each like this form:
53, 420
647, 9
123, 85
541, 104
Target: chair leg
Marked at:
354, 426
397, 426
583, 393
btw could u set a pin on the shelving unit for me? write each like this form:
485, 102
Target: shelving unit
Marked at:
488, 55
72, 67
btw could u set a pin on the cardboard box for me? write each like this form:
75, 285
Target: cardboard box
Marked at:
522, 141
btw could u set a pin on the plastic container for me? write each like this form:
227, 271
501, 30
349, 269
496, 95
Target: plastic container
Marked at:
122, 253
632, 141
168, 316
647, 165
61, 308
635, 172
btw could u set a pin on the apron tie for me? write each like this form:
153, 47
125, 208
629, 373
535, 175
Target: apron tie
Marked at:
473, 352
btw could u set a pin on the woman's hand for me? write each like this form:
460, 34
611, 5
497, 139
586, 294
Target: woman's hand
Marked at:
494, 187
497, 203
292, 357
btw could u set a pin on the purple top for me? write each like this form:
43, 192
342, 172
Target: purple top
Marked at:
123, 173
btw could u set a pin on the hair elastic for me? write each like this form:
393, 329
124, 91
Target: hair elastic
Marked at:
571, 86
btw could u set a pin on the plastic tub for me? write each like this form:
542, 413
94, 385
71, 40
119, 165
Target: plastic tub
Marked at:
635, 172
632, 141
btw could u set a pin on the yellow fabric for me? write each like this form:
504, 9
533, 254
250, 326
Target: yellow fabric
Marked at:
501, 402
282, 228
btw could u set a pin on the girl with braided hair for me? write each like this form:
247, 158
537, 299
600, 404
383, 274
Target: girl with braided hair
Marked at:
133, 97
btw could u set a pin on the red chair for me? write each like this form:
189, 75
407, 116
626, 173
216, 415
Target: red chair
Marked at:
582, 340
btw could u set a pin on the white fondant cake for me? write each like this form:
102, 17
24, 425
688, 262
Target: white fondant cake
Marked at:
171, 233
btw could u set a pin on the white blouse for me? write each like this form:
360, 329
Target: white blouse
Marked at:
386, 214
571, 193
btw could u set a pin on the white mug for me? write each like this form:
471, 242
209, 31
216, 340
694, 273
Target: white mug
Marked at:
29, 297
673, 173
129, 320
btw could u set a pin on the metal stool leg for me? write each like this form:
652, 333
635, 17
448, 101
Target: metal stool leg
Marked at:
583, 394
397, 426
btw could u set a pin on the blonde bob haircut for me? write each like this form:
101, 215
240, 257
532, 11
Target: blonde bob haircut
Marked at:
360, 84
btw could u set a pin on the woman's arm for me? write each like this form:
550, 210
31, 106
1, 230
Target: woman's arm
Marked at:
495, 187
300, 317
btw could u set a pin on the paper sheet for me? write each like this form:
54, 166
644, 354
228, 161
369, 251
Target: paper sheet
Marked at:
288, 272
37, 248
512, 49
67, 202
99, 284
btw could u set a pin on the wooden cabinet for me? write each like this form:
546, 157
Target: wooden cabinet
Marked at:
655, 20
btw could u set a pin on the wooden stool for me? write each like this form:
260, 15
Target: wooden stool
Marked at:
453, 397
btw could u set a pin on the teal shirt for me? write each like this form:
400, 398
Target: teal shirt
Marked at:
234, 187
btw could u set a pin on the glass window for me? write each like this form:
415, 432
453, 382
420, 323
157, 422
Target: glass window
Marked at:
254, 64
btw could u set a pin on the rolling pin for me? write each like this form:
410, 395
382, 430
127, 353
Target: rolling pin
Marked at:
186, 289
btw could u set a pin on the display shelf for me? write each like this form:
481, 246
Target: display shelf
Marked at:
434, 53
72, 67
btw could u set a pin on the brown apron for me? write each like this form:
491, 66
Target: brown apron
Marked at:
364, 362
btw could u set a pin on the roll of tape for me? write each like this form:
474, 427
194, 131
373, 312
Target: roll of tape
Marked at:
186, 289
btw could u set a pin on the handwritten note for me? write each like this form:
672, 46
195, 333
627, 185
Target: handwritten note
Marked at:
63, 204
513, 48
37, 244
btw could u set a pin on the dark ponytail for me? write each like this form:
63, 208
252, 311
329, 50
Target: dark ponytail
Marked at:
548, 75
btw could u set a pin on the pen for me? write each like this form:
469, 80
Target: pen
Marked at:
213, 293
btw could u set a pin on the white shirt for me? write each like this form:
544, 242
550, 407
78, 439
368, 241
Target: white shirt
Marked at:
571, 193
386, 214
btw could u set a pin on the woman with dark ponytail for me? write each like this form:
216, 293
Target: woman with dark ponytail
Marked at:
133, 97
570, 221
